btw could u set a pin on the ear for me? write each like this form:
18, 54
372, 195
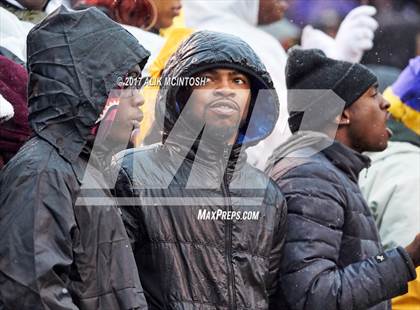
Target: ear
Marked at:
343, 118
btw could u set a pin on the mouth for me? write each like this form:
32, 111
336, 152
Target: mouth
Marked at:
389, 132
135, 131
136, 124
225, 107
176, 10
136, 121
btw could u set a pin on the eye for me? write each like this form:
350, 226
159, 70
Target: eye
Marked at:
134, 74
240, 81
207, 79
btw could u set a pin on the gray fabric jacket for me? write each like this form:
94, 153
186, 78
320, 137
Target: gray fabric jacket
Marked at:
333, 258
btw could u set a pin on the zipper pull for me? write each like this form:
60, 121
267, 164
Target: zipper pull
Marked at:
226, 153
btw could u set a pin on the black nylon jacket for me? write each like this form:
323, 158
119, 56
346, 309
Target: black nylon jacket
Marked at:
184, 262
56, 250
333, 258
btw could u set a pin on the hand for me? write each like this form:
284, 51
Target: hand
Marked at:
314, 38
413, 250
355, 35
353, 38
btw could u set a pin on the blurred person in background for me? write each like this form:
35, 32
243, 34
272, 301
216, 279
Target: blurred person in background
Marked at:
57, 250
167, 10
391, 184
140, 13
398, 35
287, 33
325, 15
32, 10
151, 15
14, 126
13, 33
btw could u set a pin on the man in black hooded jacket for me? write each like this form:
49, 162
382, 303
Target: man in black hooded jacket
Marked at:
56, 250
188, 202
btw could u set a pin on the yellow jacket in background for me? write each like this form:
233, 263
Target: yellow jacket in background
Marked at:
411, 300
173, 40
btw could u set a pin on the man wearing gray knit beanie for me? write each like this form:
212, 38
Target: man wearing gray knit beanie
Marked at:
333, 257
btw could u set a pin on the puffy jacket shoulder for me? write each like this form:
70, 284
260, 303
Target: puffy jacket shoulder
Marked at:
311, 177
273, 194
144, 167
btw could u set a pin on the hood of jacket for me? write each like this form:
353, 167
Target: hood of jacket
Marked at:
395, 148
240, 18
402, 133
204, 11
309, 143
75, 58
205, 50
346, 159
303, 143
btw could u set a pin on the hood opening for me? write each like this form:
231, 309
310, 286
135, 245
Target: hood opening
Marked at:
259, 123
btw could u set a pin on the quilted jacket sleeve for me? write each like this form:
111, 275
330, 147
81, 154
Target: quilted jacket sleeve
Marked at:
279, 239
311, 277
36, 226
124, 191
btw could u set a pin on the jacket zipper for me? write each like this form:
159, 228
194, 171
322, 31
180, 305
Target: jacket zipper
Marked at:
228, 234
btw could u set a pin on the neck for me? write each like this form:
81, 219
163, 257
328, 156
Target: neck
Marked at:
342, 136
154, 30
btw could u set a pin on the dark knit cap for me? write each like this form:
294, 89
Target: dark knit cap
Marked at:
311, 69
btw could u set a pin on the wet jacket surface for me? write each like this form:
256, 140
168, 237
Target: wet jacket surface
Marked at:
333, 258
184, 262
56, 253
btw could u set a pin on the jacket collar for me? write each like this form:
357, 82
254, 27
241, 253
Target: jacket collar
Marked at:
69, 146
65, 138
76, 151
220, 157
346, 159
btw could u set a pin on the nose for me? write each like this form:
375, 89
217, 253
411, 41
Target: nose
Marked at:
384, 105
224, 88
284, 5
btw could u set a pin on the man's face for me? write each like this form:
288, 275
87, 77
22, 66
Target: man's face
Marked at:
167, 10
367, 128
271, 11
222, 103
129, 115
